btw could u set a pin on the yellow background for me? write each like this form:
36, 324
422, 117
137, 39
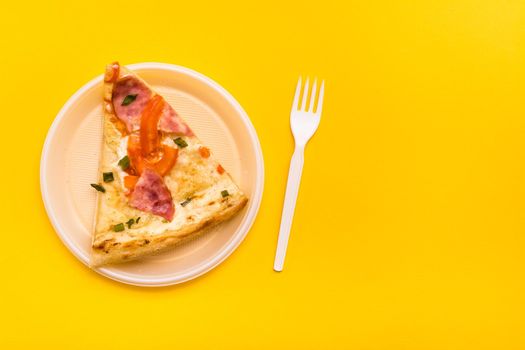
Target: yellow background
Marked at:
409, 231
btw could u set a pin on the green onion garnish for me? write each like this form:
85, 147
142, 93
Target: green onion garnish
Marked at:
224, 194
119, 227
108, 177
128, 99
185, 202
124, 163
98, 188
130, 222
180, 142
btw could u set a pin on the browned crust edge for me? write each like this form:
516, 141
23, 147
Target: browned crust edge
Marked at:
111, 252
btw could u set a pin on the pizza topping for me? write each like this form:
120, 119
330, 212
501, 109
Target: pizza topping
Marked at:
179, 141
220, 169
224, 194
186, 202
163, 161
171, 122
167, 160
130, 222
108, 177
149, 136
130, 98
119, 227
124, 163
204, 152
135, 155
98, 188
145, 149
130, 181
137, 221
130, 113
151, 195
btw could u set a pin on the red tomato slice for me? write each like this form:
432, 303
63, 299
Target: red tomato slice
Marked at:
204, 151
130, 181
165, 163
149, 135
135, 155
145, 149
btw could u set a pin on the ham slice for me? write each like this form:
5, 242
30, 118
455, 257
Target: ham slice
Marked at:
152, 195
171, 122
130, 114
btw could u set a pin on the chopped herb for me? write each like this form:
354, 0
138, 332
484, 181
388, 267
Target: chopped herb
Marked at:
130, 222
108, 177
165, 221
119, 227
129, 99
137, 221
124, 163
224, 194
180, 142
186, 201
98, 188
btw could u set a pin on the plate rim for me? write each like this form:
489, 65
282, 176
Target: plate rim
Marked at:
222, 254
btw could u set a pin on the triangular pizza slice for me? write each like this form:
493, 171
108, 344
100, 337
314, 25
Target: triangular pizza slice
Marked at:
158, 184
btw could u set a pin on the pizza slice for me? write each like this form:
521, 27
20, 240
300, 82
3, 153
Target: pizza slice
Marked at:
158, 185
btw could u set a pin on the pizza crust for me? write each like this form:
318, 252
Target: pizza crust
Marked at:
116, 250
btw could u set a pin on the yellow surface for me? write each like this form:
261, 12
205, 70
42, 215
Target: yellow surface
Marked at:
409, 231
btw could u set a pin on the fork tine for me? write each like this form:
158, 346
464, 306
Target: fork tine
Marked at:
312, 96
319, 108
305, 94
297, 94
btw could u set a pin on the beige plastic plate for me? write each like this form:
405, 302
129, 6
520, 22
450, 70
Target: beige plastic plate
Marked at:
70, 163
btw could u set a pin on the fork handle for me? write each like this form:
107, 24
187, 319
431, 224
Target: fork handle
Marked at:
290, 198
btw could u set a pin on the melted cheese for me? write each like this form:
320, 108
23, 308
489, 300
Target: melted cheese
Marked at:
196, 210
122, 151
192, 177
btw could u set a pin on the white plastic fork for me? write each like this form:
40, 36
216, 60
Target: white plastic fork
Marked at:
304, 123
